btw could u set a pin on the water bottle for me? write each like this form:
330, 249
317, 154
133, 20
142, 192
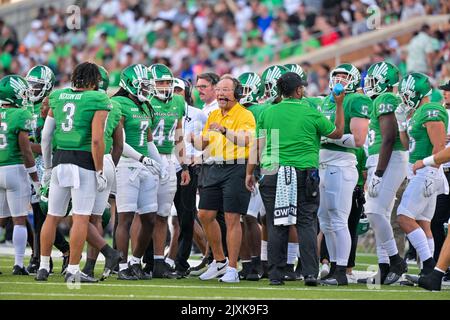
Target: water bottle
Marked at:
337, 90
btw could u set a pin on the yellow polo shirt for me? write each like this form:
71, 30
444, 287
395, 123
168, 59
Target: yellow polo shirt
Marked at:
237, 119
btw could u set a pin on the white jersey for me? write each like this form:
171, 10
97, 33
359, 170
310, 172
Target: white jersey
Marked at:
193, 122
208, 108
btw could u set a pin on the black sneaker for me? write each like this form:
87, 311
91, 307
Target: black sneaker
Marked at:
289, 273
445, 278
179, 274
395, 272
41, 275
311, 281
432, 281
79, 277
148, 270
338, 279
126, 274
137, 271
89, 272
162, 269
298, 271
379, 277
265, 269
253, 276
110, 263
246, 269
65, 264
19, 271
276, 282
33, 266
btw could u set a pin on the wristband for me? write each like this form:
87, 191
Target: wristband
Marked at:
429, 161
184, 167
32, 169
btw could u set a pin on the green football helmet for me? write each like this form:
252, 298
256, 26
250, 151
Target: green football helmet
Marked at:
380, 77
104, 81
352, 80
293, 67
159, 74
41, 79
251, 85
15, 90
269, 79
413, 88
363, 225
136, 81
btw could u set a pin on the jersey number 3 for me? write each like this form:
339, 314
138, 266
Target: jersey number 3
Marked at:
69, 109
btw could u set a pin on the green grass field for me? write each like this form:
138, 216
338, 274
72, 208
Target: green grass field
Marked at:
25, 287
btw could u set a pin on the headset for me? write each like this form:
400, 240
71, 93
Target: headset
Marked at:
238, 88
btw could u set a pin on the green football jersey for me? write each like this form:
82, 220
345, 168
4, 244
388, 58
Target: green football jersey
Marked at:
356, 105
136, 121
167, 115
12, 121
384, 104
420, 145
73, 112
113, 120
292, 140
256, 109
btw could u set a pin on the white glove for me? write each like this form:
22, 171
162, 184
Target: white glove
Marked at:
151, 165
401, 116
36, 192
45, 180
101, 181
164, 176
429, 187
324, 139
374, 186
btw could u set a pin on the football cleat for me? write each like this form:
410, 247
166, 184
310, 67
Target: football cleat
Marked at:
79, 277
19, 271
42, 275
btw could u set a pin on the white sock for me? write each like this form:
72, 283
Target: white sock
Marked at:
231, 269
292, 252
419, 241
431, 245
20, 242
382, 255
73, 268
158, 257
170, 262
343, 246
45, 263
331, 244
391, 247
134, 260
123, 266
263, 250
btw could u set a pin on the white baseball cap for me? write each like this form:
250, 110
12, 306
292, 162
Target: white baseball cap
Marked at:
178, 83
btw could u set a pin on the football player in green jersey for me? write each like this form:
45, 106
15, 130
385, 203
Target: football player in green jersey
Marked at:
41, 80
113, 150
16, 161
422, 125
387, 166
338, 173
168, 137
138, 171
76, 122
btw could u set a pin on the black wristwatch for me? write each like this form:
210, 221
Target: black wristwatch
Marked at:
184, 167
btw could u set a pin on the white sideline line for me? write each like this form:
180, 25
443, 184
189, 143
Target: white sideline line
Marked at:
218, 287
135, 296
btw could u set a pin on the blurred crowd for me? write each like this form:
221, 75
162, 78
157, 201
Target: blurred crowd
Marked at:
195, 36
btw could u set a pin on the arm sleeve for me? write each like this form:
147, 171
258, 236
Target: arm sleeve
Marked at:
129, 152
46, 142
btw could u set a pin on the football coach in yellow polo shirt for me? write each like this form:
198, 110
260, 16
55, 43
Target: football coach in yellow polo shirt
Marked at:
226, 138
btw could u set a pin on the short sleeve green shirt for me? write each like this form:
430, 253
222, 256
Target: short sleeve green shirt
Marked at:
113, 120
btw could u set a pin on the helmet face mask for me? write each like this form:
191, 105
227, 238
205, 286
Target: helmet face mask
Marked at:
347, 75
380, 77
161, 81
135, 80
41, 79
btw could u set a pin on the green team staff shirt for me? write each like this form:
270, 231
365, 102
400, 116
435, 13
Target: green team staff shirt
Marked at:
167, 115
257, 109
385, 103
356, 105
136, 121
420, 145
73, 112
299, 129
12, 121
113, 120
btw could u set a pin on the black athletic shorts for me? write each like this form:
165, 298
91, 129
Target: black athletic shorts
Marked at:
223, 188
